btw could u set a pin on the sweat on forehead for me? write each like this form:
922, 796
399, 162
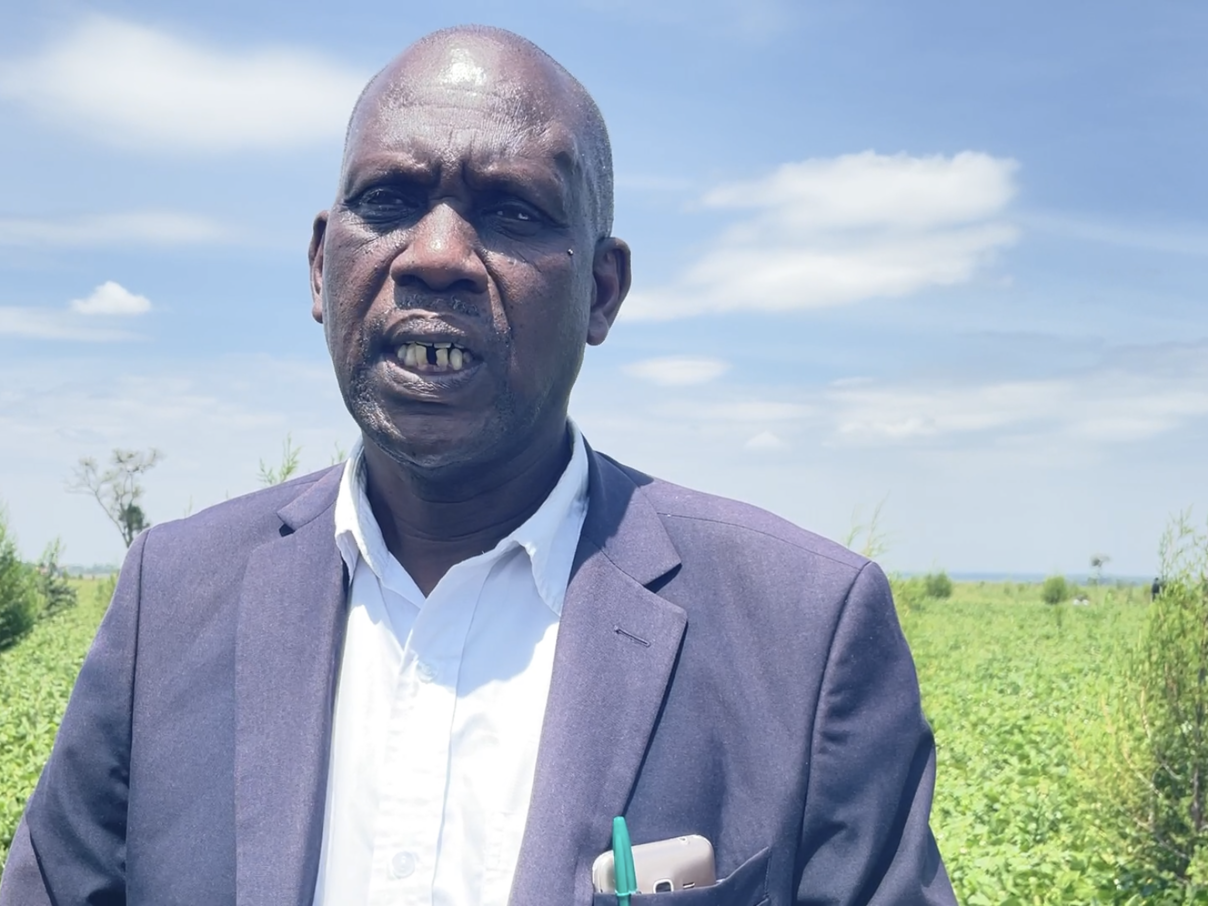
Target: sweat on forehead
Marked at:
533, 90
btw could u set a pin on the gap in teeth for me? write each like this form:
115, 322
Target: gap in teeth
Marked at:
432, 357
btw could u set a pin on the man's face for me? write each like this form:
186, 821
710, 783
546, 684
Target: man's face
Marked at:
457, 275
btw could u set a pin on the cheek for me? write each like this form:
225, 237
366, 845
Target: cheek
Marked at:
354, 273
546, 296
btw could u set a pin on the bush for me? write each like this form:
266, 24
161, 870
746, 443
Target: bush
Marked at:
1055, 590
19, 604
1161, 728
57, 592
937, 585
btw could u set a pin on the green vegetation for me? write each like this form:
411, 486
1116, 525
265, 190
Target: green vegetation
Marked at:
1157, 761
19, 603
937, 585
36, 676
1055, 590
1012, 688
1033, 804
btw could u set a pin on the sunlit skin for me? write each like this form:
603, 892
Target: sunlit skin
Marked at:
463, 215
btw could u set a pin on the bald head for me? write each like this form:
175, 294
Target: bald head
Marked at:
536, 93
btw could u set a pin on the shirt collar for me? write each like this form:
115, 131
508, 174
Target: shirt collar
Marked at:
549, 537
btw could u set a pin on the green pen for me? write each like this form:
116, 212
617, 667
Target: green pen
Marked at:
622, 862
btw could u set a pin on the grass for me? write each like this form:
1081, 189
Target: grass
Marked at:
1012, 686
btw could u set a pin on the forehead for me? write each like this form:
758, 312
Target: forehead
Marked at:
459, 108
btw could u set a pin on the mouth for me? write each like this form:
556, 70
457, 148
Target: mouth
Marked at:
428, 358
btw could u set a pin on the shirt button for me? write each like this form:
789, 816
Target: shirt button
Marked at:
425, 672
402, 865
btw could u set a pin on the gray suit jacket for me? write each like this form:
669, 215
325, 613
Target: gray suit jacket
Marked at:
770, 704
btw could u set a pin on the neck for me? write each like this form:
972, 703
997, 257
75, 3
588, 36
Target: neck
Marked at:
432, 523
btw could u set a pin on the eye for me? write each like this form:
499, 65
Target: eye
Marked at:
381, 204
515, 217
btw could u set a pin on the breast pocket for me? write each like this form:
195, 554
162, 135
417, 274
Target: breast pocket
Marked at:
746, 886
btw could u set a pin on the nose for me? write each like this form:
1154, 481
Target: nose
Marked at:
442, 254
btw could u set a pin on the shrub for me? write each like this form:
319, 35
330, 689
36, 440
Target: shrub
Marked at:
19, 605
1055, 590
937, 585
1160, 732
52, 583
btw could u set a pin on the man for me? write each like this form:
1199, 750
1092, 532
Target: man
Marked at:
435, 676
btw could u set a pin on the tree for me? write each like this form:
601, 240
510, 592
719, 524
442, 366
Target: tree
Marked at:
1098, 561
119, 488
57, 592
18, 596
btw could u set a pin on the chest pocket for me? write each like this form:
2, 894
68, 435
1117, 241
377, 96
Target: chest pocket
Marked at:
746, 886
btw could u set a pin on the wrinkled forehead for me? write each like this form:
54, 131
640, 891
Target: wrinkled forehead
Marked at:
509, 103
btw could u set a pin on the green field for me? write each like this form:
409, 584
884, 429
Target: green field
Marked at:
36, 676
1014, 689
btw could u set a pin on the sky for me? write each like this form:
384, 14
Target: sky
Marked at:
946, 263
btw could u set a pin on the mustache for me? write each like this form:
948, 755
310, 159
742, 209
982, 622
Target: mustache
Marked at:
457, 303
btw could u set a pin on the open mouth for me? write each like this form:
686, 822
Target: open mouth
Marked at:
433, 358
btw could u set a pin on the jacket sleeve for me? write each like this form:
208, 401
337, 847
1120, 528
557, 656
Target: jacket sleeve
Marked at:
865, 836
70, 846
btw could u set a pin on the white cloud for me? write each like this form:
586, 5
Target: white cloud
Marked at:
831, 232
765, 440
1118, 403
158, 228
135, 86
678, 371
79, 320
111, 299
856, 191
40, 324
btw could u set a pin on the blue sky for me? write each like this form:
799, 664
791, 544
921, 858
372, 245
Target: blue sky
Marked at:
947, 258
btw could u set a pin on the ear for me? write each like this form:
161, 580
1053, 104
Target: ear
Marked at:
315, 256
611, 270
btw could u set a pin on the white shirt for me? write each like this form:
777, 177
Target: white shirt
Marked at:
439, 706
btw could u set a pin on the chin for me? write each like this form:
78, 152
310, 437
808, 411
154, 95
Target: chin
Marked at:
418, 448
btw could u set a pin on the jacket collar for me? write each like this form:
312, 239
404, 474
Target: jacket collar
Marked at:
616, 649
288, 639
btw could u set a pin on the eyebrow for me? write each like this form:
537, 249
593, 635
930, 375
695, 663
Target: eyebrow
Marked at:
388, 167
511, 177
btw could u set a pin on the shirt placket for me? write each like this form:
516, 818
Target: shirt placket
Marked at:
416, 759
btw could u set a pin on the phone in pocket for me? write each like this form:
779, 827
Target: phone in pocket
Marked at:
679, 863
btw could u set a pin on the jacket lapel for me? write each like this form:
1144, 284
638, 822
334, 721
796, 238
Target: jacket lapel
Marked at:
617, 645
288, 642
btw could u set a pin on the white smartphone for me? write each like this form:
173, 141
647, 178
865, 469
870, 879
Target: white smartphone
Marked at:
680, 863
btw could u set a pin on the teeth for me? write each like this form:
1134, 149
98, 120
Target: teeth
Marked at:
432, 356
